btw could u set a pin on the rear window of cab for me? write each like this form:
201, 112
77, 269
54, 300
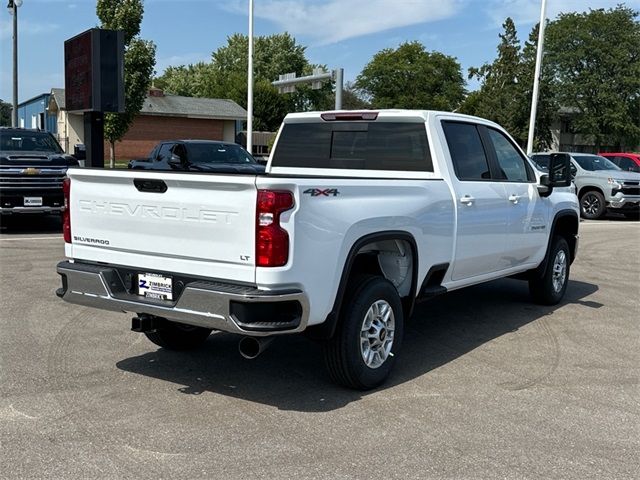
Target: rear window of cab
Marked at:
354, 145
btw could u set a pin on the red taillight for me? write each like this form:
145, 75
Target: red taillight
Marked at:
272, 241
342, 116
66, 213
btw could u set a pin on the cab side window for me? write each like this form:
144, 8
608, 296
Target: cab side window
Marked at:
467, 152
165, 152
511, 163
179, 150
627, 164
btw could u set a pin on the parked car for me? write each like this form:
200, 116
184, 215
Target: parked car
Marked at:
358, 215
199, 155
601, 185
626, 161
32, 168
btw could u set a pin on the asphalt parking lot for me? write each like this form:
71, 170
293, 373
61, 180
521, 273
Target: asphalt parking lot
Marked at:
488, 385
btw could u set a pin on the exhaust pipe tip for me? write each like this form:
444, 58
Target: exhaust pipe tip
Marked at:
251, 347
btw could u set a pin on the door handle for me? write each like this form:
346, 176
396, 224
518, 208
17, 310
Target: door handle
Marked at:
467, 200
150, 185
514, 199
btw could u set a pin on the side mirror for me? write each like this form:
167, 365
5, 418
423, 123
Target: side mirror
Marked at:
559, 170
175, 161
80, 151
559, 174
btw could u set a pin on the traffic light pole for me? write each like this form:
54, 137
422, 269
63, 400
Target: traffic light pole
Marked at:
287, 82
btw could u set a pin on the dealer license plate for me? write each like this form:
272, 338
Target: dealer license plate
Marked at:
152, 285
32, 201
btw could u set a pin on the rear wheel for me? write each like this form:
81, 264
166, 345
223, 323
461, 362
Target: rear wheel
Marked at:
592, 205
362, 352
549, 288
178, 336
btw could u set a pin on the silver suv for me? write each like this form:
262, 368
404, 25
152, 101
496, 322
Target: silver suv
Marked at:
601, 185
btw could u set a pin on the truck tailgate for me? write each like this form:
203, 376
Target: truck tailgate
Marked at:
194, 224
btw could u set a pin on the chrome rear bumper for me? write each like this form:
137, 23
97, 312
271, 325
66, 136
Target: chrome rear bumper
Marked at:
219, 306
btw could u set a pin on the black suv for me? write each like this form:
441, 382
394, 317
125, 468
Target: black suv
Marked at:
32, 168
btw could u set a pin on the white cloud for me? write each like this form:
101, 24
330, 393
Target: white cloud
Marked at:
25, 27
331, 21
527, 12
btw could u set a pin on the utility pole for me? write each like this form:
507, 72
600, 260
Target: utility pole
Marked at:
250, 84
12, 6
536, 78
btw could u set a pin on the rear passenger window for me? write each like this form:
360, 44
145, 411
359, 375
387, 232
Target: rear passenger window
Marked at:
354, 145
467, 152
509, 159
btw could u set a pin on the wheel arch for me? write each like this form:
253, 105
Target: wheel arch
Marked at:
356, 263
589, 188
565, 223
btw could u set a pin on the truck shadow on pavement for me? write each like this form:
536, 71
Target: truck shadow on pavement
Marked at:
290, 375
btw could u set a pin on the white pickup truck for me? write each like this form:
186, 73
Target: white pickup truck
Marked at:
358, 216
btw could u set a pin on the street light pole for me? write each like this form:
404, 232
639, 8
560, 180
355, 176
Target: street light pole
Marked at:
250, 84
13, 10
536, 78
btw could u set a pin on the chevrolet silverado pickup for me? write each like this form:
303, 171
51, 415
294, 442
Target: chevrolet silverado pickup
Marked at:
32, 169
358, 216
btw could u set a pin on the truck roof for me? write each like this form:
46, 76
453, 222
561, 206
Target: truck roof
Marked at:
381, 113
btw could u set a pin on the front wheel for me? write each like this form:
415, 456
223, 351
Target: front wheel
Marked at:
178, 336
362, 352
549, 288
592, 205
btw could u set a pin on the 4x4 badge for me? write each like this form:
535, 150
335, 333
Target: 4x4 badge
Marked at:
318, 192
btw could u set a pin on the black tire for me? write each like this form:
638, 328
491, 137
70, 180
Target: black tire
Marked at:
549, 288
178, 336
344, 352
592, 205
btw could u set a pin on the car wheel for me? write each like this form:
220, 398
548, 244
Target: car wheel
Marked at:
178, 336
549, 288
362, 352
592, 205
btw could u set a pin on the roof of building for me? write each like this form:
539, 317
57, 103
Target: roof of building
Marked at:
177, 106
31, 100
58, 96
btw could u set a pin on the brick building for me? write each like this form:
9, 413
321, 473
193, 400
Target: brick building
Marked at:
163, 117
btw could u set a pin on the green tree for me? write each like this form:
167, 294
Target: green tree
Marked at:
411, 77
5, 113
139, 60
595, 57
189, 81
226, 77
352, 99
500, 93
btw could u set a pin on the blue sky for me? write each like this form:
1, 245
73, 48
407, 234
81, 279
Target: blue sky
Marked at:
338, 33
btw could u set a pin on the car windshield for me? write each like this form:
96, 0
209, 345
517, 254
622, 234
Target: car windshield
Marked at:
218, 153
16, 141
594, 163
